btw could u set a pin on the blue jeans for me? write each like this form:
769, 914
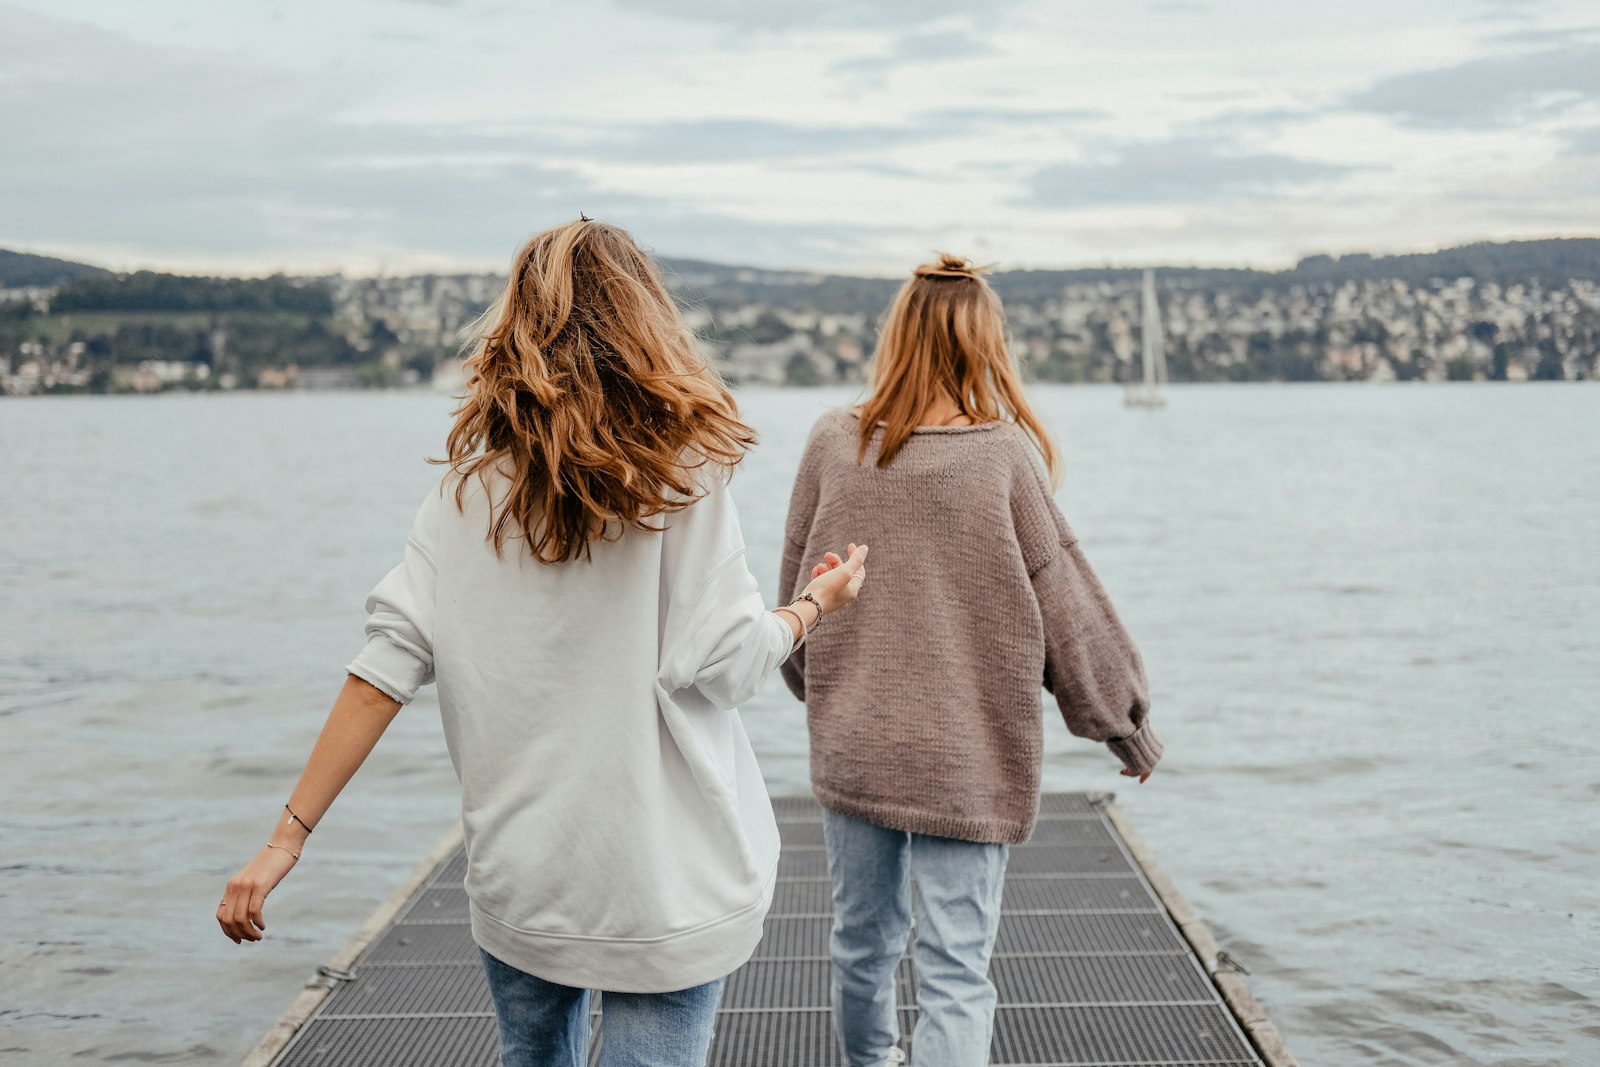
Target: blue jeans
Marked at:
543, 1024
957, 917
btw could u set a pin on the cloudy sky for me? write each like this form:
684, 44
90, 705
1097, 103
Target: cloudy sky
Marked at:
848, 135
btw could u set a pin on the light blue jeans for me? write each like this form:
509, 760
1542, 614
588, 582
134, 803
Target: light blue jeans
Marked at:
543, 1024
957, 916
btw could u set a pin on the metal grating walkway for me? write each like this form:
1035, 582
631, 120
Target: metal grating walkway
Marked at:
1091, 969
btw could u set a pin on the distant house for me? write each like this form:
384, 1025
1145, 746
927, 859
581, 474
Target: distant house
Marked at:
276, 378
316, 378
449, 376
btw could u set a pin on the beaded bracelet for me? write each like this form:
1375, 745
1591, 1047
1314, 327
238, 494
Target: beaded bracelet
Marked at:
814, 603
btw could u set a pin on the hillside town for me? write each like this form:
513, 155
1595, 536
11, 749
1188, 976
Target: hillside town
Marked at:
1354, 331
798, 329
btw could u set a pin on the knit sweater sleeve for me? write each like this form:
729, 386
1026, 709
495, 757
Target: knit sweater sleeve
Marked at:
1092, 666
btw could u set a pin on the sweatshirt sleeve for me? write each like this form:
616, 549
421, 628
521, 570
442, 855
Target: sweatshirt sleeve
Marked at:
1092, 666
790, 583
718, 637
796, 535
398, 657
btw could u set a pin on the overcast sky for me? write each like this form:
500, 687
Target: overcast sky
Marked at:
847, 135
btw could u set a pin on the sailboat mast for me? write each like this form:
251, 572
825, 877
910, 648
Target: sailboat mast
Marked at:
1153, 350
1152, 325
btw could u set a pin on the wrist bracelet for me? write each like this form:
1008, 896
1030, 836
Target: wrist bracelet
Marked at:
801, 639
814, 603
295, 818
286, 848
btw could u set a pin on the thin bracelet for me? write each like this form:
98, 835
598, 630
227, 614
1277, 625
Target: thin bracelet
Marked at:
798, 641
286, 848
298, 819
814, 603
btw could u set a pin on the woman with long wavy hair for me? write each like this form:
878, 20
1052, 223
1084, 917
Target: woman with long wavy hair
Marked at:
576, 585
926, 740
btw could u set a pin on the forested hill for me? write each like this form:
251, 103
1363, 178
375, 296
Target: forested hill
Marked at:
1552, 261
1549, 262
22, 270
150, 291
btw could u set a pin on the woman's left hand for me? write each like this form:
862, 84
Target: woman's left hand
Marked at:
830, 561
239, 914
834, 585
836, 582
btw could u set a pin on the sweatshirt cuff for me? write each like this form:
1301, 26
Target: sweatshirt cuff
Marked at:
389, 668
1140, 751
787, 640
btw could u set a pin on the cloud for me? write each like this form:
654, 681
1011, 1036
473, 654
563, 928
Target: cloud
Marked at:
977, 119
200, 156
1255, 120
1541, 38
1493, 91
164, 149
261, 144
845, 14
400, 37
911, 49
1504, 11
1175, 171
737, 139
698, 141
918, 47
1584, 141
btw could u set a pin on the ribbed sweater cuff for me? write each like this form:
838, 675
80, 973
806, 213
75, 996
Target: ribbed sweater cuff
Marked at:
1140, 751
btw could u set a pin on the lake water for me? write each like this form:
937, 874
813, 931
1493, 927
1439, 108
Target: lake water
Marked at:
1369, 616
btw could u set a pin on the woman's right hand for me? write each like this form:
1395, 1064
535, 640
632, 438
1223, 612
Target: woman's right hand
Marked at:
239, 914
837, 582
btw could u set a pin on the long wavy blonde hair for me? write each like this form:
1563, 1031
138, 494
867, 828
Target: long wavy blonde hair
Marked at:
945, 336
584, 388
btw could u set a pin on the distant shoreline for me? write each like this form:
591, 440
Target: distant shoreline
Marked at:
761, 387
1515, 311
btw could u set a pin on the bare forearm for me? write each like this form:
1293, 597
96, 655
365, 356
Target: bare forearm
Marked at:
360, 715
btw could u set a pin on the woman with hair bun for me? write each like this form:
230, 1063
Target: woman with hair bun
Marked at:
577, 586
923, 703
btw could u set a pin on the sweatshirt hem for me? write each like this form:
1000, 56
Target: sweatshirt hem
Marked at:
663, 964
991, 830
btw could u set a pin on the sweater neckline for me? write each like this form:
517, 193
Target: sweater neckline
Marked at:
971, 428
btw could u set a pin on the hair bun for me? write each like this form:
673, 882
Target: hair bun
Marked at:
949, 266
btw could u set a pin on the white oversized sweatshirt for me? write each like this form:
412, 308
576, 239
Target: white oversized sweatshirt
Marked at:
619, 836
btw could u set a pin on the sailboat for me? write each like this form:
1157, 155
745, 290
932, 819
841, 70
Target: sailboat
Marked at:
1147, 393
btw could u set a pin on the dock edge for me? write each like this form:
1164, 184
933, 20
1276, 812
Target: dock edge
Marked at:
1235, 993
319, 988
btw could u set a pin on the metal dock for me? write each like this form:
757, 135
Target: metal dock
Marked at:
1099, 963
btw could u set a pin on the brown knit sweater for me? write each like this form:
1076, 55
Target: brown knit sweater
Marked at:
923, 698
